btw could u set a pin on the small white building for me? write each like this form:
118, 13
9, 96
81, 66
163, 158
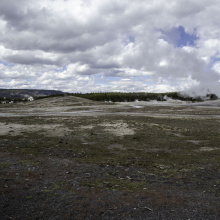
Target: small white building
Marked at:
30, 98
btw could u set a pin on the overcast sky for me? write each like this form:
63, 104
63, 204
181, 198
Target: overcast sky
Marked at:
110, 45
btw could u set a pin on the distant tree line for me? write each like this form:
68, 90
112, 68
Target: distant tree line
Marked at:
212, 96
140, 96
121, 97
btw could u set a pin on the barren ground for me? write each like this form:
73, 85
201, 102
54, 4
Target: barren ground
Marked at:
71, 158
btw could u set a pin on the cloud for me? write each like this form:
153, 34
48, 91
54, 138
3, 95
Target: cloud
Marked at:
93, 45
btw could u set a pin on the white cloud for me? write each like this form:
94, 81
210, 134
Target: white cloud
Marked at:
67, 45
216, 67
78, 68
162, 42
189, 49
163, 63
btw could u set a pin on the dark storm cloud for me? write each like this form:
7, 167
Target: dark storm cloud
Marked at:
28, 59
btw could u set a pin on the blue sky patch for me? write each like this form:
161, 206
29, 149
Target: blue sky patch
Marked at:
61, 69
128, 39
6, 64
179, 38
213, 60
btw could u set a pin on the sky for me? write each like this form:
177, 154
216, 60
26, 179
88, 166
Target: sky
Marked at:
111, 45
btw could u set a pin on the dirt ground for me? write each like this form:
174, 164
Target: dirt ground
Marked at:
72, 158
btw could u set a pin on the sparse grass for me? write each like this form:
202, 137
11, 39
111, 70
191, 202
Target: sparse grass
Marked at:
115, 184
52, 188
154, 142
28, 162
5, 165
163, 159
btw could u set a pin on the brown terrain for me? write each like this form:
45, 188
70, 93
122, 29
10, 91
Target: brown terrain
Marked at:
72, 158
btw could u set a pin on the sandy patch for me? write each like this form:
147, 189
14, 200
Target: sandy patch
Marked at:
117, 146
18, 129
194, 141
208, 148
87, 127
118, 128
168, 130
158, 150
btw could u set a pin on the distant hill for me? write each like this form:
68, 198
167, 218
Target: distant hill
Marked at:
24, 93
